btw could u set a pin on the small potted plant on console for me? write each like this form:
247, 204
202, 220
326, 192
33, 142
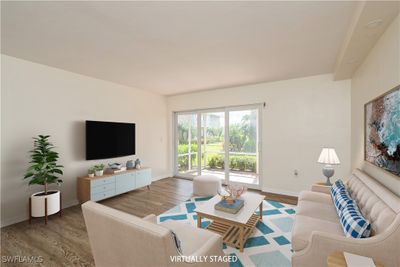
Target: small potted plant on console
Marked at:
44, 170
91, 172
99, 169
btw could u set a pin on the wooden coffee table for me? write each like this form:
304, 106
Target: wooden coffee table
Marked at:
234, 228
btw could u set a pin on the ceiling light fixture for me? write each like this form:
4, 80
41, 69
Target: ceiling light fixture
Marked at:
374, 23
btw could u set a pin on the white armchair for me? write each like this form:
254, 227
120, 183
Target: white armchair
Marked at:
121, 239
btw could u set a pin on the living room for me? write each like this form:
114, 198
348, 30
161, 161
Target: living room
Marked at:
210, 99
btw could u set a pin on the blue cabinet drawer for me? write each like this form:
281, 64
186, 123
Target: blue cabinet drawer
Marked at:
102, 188
102, 195
103, 181
125, 182
143, 178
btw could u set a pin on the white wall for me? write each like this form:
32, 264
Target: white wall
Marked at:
301, 116
38, 99
379, 73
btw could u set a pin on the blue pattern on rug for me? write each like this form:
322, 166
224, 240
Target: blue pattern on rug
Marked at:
256, 241
270, 259
190, 207
268, 245
281, 240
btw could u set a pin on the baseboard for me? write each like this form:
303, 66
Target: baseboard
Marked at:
159, 177
280, 192
25, 217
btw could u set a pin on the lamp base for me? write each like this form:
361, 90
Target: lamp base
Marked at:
328, 171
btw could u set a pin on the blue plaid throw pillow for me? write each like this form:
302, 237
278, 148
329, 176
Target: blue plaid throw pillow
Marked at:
353, 222
336, 187
341, 199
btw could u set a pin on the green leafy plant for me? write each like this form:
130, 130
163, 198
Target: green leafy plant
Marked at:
91, 170
99, 167
44, 169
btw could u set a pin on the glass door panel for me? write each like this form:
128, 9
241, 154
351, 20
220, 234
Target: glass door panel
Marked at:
213, 144
243, 146
187, 145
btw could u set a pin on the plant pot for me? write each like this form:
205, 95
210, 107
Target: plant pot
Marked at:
91, 175
38, 203
99, 173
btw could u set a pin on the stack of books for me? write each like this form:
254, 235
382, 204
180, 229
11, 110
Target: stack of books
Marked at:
230, 207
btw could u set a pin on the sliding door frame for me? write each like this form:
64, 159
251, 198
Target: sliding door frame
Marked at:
226, 110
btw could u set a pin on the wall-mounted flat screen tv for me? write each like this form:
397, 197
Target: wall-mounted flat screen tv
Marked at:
109, 139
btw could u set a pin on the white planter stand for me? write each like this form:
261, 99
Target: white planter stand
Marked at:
45, 205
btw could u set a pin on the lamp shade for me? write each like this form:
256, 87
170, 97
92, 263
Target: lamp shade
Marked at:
328, 156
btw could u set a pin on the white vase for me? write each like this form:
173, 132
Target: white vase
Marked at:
91, 175
99, 173
38, 203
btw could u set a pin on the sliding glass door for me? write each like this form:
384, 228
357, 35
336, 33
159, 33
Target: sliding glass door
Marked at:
222, 142
187, 144
213, 144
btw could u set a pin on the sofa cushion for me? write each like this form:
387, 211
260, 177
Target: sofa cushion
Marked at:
376, 203
305, 225
316, 197
318, 210
353, 222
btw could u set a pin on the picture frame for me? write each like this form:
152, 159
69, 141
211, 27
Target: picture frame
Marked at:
382, 131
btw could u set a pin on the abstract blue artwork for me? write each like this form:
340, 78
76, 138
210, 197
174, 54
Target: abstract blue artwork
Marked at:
382, 131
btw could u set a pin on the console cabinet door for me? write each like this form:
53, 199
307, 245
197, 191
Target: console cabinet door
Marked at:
125, 182
143, 177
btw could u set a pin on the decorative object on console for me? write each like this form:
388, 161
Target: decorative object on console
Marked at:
130, 165
382, 131
115, 165
99, 169
91, 172
137, 164
328, 157
232, 192
44, 170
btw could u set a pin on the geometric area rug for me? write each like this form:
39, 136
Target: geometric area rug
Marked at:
268, 246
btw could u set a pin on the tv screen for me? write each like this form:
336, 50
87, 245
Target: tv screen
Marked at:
109, 139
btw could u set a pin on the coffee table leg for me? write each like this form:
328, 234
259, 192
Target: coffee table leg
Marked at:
241, 238
198, 221
261, 210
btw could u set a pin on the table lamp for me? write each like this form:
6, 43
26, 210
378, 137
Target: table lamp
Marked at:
328, 157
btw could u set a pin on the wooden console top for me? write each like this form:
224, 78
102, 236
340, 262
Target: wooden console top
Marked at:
105, 175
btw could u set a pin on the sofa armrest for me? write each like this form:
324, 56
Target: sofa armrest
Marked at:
383, 247
321, 188
150, 218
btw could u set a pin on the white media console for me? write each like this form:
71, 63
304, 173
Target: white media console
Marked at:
109, 185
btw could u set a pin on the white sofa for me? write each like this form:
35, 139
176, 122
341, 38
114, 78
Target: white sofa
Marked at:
317, 231
120, 239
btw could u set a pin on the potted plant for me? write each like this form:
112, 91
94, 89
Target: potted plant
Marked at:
99, 169
44, 171
91, 172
